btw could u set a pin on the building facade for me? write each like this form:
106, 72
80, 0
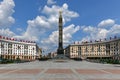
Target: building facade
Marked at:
39, 52
52, 54
13, 49
98, 49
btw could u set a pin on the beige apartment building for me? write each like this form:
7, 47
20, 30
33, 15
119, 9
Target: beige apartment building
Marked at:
98, 49
12, 49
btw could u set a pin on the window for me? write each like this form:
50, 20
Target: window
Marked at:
19, 47
2, 45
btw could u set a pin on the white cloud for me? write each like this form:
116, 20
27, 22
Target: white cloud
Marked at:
50, 2
39, 21
19, 29
6, 11
54, 10
89, 29
65, 6
69, 31
106, 23
114, 30
96, 33
101, 34
6, 32
52, 39
6, 19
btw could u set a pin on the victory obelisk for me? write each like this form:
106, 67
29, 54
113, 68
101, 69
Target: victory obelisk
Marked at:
60, 34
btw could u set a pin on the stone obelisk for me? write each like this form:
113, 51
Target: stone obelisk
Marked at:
60, 34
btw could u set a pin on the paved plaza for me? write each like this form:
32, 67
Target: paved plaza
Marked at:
52, 70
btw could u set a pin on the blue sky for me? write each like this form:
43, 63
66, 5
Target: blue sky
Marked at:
37, 20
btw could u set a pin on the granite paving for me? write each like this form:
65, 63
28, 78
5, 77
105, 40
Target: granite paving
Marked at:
52, 70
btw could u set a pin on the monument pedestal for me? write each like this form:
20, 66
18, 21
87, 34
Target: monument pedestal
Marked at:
60, 58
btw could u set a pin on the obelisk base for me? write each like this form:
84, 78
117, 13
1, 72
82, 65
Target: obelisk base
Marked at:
60, 58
